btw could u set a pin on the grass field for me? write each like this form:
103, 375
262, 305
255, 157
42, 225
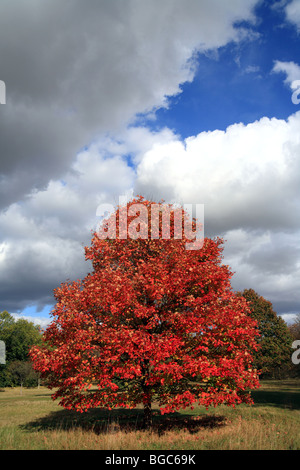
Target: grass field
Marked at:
30, 420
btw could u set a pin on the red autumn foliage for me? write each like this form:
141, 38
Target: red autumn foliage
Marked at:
153, 321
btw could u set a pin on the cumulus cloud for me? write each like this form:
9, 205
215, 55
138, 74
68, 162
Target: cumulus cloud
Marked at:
248, 179
292, 11
247, 176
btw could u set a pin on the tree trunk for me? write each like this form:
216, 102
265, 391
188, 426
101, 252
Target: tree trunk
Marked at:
147, 422
147, 398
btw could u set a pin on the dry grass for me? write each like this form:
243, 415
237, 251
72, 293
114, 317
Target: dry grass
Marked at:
33, 421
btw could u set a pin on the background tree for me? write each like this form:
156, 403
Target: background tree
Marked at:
294, 328
273, 358
152, 315
6, 319
22, 373
19, 336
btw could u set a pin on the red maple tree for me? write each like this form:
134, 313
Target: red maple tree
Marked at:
153, 321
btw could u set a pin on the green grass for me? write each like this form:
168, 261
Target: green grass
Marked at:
32, 421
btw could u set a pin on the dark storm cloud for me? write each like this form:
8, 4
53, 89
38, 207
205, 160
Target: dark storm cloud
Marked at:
75, 70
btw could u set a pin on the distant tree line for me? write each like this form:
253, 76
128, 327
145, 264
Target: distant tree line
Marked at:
273, 358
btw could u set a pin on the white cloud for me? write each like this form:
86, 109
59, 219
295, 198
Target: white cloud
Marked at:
292, 72
39, 321
247, 176
290, 69
266, 261
292, 11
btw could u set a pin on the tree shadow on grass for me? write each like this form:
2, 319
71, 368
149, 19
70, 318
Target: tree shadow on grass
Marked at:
102, 421
276, 398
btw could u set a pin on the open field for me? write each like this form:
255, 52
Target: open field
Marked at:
30, 420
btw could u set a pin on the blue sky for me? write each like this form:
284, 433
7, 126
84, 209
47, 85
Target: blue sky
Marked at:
187, 101
236, 83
